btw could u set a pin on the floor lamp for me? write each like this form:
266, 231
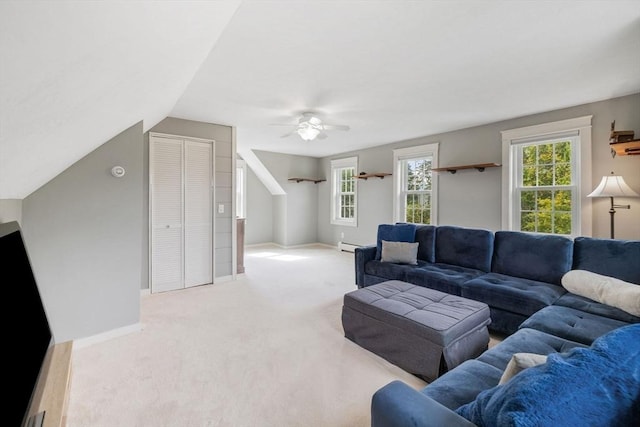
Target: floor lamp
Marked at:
613, 186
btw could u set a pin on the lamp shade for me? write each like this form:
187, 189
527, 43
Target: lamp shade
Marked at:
613, 186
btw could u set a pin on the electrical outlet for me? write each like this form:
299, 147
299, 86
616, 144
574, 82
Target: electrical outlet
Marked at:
220, 208
342, 235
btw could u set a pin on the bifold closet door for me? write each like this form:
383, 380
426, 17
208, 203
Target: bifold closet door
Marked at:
181, 213
167, 260
198, 218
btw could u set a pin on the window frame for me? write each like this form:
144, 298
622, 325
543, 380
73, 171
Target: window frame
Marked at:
399, 179
337, 166
241, 189
578, 129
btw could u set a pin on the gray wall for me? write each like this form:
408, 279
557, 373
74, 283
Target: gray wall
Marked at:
83, 231
259, 212
222, 135
473, 199
294, 215
10, 210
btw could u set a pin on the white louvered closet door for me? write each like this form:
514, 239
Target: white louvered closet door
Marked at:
198, 226
167, 258
181, 213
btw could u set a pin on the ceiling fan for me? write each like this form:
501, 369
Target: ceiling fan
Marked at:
310, 127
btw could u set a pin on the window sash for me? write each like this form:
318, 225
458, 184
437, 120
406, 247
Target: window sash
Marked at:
545, 219
344, 189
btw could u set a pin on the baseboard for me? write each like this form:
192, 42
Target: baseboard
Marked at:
347, 247
144, 292
279, 246
222, 279
105, 336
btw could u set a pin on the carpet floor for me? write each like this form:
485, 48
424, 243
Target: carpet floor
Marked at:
265, 350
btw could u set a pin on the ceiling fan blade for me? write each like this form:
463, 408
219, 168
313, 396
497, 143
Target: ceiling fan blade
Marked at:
282, 124
288, 134
336, 127
321, 135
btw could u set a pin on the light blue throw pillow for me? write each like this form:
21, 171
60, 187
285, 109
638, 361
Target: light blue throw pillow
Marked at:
395, 233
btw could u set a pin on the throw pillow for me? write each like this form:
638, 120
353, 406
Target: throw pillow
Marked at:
399, 252
395, 233
604, 289
595, 386
519, 362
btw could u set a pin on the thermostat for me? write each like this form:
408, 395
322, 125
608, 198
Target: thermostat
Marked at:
118, 171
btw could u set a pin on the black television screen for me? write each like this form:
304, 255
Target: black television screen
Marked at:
28, 334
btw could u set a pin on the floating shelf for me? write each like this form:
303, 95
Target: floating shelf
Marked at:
628, 148
315, 181
365, 176
480, 167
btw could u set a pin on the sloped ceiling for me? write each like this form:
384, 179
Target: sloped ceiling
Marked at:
75, 74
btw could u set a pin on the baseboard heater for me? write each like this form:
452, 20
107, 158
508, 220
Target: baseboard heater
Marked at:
347, 247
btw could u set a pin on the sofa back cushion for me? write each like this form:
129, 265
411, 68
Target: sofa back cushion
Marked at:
597, 386
465, 247
543, 258
395, 233
426, 237
614, 258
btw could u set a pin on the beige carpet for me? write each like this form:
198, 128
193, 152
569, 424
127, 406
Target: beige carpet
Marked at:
267, 350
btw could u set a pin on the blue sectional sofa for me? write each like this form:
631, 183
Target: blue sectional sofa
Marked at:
516, 274
519, 276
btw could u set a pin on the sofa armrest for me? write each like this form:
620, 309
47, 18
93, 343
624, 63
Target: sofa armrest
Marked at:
363, 254
398, 405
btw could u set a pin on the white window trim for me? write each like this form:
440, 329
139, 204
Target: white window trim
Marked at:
335, 165
583, 158
241, 164
410, 153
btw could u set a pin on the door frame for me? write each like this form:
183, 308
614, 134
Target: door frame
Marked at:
153, 135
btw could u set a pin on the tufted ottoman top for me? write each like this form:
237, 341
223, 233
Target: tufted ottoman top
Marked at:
439, 317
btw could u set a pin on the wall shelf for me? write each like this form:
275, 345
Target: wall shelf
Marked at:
315, 181
628, 148
479, 167
365, 176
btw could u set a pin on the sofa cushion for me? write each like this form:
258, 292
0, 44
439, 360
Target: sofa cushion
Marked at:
400, 252
608, 257
442, 277
463, 384
525, 341
522, 296
466, 381
608, 375
604, 289
394, 233
465, 247
571, 324
543, 258
590, 306
389, 270
426, 237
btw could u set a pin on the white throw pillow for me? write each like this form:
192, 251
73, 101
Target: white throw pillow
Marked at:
604, 289
520, 362
399, 252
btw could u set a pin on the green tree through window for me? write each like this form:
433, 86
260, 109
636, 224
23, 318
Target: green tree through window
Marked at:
546, 190
417, 190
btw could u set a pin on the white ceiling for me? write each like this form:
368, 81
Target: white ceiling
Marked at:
73, 75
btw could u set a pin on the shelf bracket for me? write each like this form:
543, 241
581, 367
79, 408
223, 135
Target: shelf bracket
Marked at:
480, 169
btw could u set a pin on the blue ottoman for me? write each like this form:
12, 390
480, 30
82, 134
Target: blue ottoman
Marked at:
421, 330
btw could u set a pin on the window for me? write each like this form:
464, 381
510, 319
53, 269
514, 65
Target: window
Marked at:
544, 167
415, 185
344, 209
241, 188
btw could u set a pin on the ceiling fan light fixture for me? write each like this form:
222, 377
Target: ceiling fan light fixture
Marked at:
308, 133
